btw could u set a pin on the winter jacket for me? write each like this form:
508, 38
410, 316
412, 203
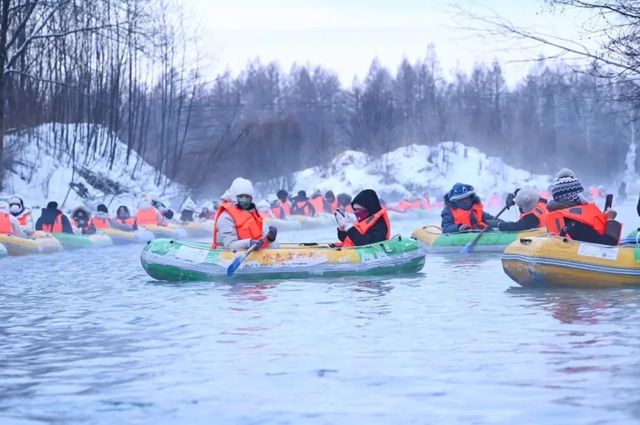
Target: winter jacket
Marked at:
378, 233
527, 222
448, 223
580, 231
49, 217
228, 234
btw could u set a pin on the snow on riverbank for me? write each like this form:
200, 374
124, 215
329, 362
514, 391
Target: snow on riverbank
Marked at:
415, 169
42, 171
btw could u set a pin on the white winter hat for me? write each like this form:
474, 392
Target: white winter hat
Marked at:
263, 206
241, 186
527, 198
227, 196
565, 172
144, 197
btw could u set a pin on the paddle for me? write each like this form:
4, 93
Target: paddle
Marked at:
237, 262
468, 247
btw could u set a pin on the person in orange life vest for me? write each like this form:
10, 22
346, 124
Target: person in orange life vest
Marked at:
81, 219
160, 206
123, 217
147, 214
463, 210
317, 201
17, 209
9, 225
372, 221
302, 206
570, 210
238, 225
330, 202
52, 220
264, 209
532, 211
282, 209
101, 220
344, 202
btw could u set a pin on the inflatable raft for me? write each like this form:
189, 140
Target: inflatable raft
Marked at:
122, 237
73, 241
170, 260
552, 260
198, 229
40, 243
491, 241
168, 231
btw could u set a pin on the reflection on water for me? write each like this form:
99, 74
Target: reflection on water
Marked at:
89, 338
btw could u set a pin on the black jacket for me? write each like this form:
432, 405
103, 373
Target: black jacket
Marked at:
49, 216
580, 231
527, 222
378, 233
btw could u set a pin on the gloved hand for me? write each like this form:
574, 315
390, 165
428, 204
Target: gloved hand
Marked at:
272, 233
344, 223
463, 228
259, 242
492, 224
611, 214
510, 200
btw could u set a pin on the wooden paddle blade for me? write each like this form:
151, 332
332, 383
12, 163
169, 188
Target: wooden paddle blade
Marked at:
466, 249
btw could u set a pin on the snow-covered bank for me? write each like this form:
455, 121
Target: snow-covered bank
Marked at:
415, 169
43, 172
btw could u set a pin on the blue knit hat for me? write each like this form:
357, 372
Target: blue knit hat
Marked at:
461, 191
567, 189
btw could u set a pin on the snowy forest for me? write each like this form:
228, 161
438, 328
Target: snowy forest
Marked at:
131, 66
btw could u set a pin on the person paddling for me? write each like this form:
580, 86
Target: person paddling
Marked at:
463, 210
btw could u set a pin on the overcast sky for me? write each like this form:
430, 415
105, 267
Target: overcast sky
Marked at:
346, 35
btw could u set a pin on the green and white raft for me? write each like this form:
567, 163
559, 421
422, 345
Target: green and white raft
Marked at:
73, 241
3, 251
170, 260
491, 241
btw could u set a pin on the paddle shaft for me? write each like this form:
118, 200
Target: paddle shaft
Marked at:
237, 262
479, 235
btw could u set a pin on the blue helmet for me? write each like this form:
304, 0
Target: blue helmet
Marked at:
461, 191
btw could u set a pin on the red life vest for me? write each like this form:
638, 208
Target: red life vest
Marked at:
318, 203
100, 223
286, 206
24, 218
248, 224
56, 227
461, 216
365, 225
404, 205
304, 207
540, 211
588, 214
147, 216
129, 221
5, 223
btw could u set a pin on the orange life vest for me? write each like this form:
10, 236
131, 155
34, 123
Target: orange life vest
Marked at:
403, 205
588, 214
416, 205
539, 211
318, 203
248, 224
366, 224
304, 206
286, 206
56, 227
129, 221
23, 218
147, 216
461, 216
5, 223
100, 223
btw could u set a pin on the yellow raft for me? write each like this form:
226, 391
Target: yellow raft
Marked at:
169, 231
553, 260
40, 243
121, 237
198, 229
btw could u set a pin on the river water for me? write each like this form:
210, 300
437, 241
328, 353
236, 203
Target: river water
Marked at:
89, 338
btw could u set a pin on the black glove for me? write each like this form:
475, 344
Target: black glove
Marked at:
493, 223
258, 242
510, 200
272, 233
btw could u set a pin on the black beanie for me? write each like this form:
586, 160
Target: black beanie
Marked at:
53, 205
102, 208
